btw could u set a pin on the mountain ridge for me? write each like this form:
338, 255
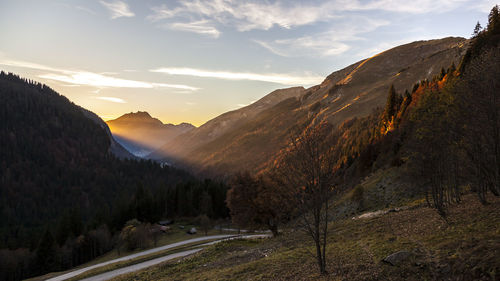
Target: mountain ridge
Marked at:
246, 138
140, 133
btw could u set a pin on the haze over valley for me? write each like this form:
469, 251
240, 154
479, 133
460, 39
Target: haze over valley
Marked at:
255, 140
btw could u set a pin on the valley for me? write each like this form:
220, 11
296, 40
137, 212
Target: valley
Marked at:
385, 169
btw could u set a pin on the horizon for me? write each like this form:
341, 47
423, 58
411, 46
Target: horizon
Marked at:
192, 61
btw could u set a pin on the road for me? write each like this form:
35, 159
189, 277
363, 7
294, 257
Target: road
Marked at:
147, 252
111, 274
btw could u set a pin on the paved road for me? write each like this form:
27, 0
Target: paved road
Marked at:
111, 274
125, 258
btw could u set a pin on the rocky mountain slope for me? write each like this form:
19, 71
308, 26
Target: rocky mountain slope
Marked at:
245, 139
140, 133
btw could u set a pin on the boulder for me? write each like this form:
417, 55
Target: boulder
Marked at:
192, 231
397, 258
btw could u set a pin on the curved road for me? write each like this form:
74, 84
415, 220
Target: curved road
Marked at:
111, 274
125, 258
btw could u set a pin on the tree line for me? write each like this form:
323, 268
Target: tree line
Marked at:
64, 199
444, 134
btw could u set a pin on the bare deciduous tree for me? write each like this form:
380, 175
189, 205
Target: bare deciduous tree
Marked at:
307, 168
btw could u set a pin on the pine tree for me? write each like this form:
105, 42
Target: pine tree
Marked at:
477, 29
390, 104
494, 20
46, 252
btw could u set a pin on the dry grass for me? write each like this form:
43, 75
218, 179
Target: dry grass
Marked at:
465, 248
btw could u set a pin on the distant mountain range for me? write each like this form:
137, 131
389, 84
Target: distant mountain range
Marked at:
245, 139
141, 134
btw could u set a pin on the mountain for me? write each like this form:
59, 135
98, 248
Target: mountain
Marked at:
114, 147
67, 188
245, 139
56, 156
140, 133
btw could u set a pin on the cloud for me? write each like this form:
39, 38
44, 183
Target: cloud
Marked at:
112, 99
245, 15
96, 80
86, 78
264, 15
30, 65
399, 6
85, 9
203, 27
117, 9
284, 79
485, 5
329, 43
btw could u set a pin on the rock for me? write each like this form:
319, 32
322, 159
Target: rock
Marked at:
397, 258
192, 231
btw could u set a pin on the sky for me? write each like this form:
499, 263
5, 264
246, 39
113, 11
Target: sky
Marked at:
190, 61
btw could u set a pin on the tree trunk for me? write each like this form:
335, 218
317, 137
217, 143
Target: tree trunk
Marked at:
274, 229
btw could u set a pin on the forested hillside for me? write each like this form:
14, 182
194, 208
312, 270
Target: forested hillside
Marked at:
59, 184
438, 140
245, 139
433, 145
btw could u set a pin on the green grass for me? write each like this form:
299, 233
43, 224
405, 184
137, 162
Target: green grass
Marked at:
466, 248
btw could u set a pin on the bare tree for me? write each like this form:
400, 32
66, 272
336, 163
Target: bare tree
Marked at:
307, 168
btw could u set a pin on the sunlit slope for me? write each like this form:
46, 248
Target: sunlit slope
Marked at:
141, 134
247, 138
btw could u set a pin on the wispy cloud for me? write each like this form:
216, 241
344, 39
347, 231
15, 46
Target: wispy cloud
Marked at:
263, 15
85, 9
245, 15
485, 5
86, 78
117, 9
399, 6
111, 99
332, 42
96, 80
284, 79
204, 27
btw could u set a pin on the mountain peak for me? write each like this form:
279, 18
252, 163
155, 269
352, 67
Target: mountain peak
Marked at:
139, 115
140, 133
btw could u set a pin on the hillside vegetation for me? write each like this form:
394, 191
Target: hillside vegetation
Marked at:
64, 196
247, 138
466, 248
434, 145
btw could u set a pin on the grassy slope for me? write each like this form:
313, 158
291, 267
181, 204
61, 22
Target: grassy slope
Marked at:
175, 234
465, 249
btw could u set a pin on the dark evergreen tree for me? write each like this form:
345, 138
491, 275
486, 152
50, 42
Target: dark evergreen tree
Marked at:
477, 29
46, 253
390, 106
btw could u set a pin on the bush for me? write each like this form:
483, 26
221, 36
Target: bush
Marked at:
357, 196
